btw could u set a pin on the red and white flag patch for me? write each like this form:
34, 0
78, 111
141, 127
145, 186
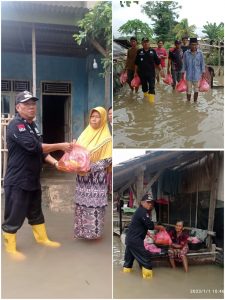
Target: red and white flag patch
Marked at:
21, 127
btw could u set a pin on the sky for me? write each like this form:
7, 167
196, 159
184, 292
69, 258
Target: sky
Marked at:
197, 13
120, 155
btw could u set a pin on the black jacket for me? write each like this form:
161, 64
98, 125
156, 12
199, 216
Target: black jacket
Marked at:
139, 226
25, 155
146, 60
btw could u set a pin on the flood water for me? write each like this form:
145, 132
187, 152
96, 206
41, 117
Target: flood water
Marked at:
78, 269
201, 282
169, 122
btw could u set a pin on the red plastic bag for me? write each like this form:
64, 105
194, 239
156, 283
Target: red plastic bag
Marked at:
168, 79
123, 77
181, 86
163, 238
78, 160
203, 85
135, 82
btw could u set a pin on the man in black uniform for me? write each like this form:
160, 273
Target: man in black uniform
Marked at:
140, 224
145, 62
22, 180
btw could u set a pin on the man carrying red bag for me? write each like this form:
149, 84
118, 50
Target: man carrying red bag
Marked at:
194, 67
135, 249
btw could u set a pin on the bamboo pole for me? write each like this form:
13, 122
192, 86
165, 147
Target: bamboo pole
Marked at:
120, 216
213, 196
34, 88
140, 184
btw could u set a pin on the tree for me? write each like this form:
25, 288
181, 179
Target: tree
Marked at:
96, 26
136, 28
127, 3
213, 31
164, 15
183, 29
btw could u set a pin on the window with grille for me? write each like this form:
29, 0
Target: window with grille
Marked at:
6, 85
20, 86
15, 85
56, 88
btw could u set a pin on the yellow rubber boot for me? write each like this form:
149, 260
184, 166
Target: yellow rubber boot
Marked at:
127, 270
10, 246
146, 94
41, 237
146, 273
151, 98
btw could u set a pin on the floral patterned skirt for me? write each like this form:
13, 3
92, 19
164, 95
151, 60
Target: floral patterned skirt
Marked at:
178, 253
89, 222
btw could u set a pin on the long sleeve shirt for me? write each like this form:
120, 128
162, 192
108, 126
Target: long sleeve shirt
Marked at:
140, 224
193, 65
25, 155
146, 61
131, 56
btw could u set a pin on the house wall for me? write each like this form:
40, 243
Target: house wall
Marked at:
198, 178
87, 86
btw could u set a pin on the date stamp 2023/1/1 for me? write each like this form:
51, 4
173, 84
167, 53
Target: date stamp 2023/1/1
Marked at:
206, 291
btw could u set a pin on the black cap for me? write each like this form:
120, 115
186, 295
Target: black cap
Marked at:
147, 197
24, 97
193, 40
145, 39
177, 42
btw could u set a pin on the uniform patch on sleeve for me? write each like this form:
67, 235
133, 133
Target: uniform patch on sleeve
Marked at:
21, 127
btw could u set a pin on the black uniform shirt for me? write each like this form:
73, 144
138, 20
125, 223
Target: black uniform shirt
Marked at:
146, 60
25, 155
185, 48
139, 226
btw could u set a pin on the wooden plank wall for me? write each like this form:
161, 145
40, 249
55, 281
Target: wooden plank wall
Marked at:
4, 151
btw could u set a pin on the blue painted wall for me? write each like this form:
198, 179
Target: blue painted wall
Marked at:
87, 86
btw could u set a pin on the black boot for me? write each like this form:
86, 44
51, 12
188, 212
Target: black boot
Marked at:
188, 97
195, 96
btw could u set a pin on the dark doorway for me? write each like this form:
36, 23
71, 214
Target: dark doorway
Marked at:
53, 111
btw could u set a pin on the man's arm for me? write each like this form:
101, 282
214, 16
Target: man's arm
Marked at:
47, 148
51, 160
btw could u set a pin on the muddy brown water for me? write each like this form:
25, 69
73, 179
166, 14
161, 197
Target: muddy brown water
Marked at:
169, 122
78, 269
201, 282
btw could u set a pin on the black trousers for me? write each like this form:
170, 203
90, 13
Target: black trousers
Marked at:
148, 83
139, 253
21, 204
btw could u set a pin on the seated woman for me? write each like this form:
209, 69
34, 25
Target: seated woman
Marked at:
179, 246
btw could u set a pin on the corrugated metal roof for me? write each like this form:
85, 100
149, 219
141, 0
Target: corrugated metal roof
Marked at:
68, 7
54, 21
50, 39
153, 162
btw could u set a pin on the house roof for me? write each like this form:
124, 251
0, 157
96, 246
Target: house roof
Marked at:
54, 22
123, 43
152, 163
118, 50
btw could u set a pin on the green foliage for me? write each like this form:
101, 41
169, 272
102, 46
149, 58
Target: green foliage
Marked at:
164, 15
97, 26
136, 28
213, 58
183, 29
168, 45
127, 3
213, 31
